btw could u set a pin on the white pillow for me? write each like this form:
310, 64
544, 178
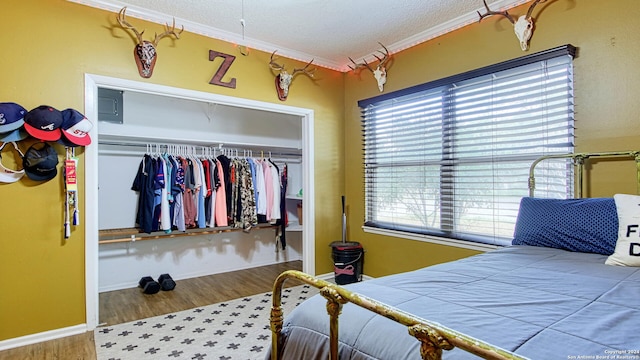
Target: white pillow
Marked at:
627, 251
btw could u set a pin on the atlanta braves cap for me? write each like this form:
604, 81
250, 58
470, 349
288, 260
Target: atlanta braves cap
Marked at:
75, 128
44, 123
8, 175
40, 162
11, 117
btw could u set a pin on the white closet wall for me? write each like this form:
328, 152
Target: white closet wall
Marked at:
158, 119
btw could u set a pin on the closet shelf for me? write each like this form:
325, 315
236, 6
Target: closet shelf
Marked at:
110, 236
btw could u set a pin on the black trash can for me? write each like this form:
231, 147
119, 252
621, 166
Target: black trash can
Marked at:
348, 260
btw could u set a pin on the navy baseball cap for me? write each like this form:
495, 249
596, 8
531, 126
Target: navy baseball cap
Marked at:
40, 162
44, 123
11, 117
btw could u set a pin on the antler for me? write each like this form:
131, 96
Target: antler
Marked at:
533, 6
490, 12
359, 65
385, 55
126, 25
274, 65
383, 60
305, 70
168, 31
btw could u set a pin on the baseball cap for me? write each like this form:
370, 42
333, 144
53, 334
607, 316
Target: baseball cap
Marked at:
11, 116
8, 175
44, 123
15, 135
40, 162
75, 128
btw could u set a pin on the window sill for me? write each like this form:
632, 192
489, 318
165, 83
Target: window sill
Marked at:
431, 239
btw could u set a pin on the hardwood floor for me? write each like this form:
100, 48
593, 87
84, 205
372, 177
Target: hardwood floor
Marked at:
126, 305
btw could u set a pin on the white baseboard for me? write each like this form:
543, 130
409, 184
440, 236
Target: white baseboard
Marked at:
43, 336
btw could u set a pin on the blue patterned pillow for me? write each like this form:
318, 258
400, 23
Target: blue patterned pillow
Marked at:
583, 225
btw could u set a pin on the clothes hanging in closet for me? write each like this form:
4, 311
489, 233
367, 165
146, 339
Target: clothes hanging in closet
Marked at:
182, 192
243, 194
221, 196
225, 162
275, 205
143, 183
281, 238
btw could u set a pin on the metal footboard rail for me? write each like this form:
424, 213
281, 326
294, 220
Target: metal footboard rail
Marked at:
433, 337
579, 160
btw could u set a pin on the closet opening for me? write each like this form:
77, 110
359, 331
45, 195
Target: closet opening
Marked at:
157, 119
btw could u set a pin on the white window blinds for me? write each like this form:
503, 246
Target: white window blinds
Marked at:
451, 158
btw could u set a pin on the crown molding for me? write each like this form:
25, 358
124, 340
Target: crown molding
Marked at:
439, 30
208, 31
233, 38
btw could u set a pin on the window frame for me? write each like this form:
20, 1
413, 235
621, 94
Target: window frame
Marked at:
433, 236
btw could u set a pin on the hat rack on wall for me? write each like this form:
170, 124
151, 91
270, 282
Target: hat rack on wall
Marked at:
140, 148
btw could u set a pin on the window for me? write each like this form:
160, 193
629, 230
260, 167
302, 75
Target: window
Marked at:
451, 158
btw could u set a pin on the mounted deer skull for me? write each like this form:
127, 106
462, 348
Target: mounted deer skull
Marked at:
145, 51
523, 27
284, 79
380, 73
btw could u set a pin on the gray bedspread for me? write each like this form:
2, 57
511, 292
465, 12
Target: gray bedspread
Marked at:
538, 302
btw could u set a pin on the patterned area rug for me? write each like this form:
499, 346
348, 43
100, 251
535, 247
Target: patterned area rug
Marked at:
233, 330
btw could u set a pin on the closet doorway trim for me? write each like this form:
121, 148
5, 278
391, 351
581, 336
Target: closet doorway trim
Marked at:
92, 83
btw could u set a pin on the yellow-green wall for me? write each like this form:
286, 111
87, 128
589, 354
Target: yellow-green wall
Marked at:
48, 46
607, 89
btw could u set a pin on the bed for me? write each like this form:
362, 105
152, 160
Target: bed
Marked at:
559, 292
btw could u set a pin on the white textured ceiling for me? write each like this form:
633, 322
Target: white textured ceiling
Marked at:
328, 31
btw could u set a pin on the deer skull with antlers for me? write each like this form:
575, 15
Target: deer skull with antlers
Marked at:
380, 72
284, 79
145, 51
523, 27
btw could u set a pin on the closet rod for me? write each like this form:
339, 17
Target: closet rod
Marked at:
278, 159
144, 147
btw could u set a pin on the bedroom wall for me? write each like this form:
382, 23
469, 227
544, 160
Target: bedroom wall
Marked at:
48, 46
607, 89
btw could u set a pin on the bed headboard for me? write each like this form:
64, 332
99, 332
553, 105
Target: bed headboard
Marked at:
579, 161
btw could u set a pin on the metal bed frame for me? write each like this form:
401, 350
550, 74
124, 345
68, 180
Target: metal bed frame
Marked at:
433, 336
579, 161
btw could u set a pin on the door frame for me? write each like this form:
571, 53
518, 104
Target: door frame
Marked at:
92, 83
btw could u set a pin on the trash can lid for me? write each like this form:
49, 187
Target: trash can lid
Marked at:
347, 245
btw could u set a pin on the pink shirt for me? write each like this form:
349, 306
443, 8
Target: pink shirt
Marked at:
221, 199
268, 185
